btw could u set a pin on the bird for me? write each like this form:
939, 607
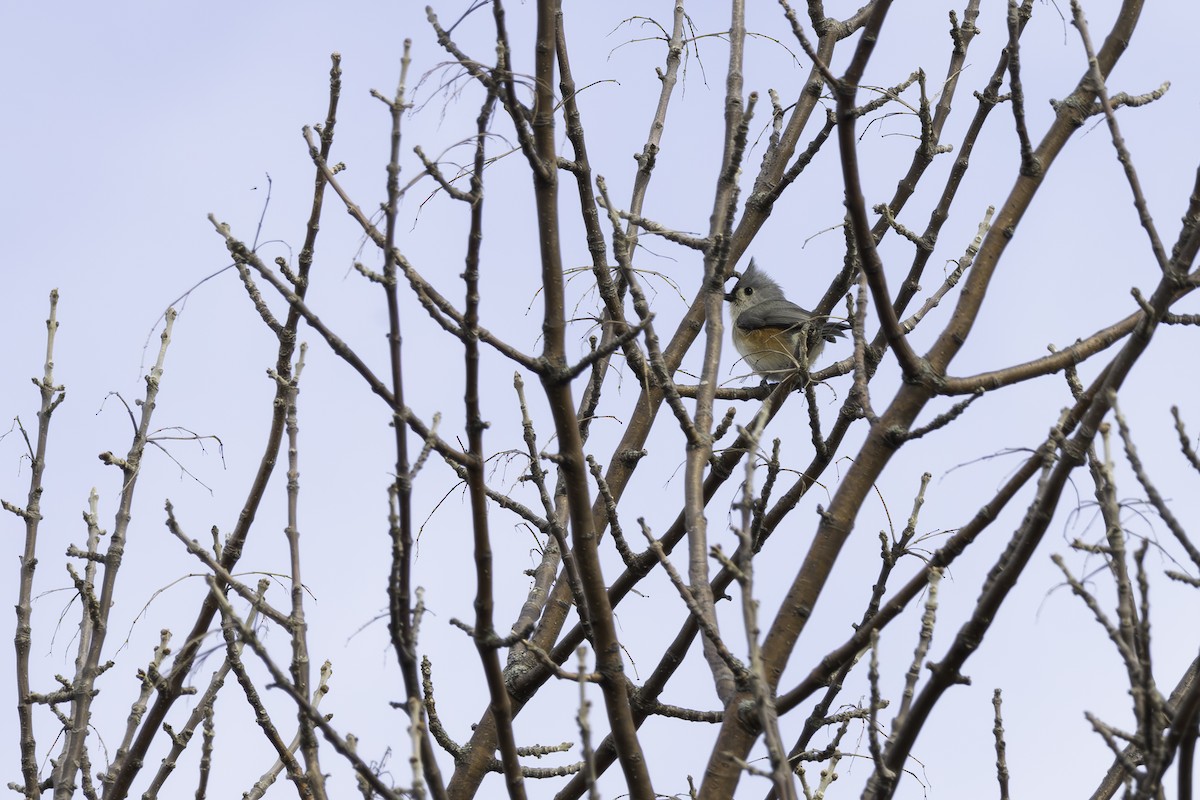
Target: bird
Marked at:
767, 327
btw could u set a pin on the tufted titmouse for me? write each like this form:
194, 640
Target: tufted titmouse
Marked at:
767, 326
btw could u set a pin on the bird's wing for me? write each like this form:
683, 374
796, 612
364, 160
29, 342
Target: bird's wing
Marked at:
786, 314
772, 314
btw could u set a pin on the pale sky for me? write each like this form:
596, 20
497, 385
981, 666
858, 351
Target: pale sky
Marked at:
128, 124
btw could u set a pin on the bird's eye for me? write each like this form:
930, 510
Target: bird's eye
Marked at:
749, 290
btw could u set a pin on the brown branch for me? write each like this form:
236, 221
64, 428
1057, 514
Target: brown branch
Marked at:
150, 679
614, 521
648, 404
943, 419
890, 553
942, 558
526, 677
613, 322
1058, 361
882, 771
558, 393
556, 550
862, 372
1006, 571
674, 655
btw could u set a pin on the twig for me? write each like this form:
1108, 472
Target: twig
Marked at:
229, 628
51, 396
1152, 494
585, 730
281, 681
924, 639
1100, 87
201, 712
884, 772
122, 773
1001, 756
258, 790
760, 686
1017, 17
254, 598
685, 593
87, 662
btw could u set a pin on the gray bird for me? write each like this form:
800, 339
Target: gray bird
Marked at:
767, 326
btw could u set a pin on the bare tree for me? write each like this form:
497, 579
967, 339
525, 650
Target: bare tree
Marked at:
629, 357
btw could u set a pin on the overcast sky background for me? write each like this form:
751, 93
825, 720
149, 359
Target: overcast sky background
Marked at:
128, 124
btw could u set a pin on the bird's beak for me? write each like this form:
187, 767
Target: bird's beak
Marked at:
737, 276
